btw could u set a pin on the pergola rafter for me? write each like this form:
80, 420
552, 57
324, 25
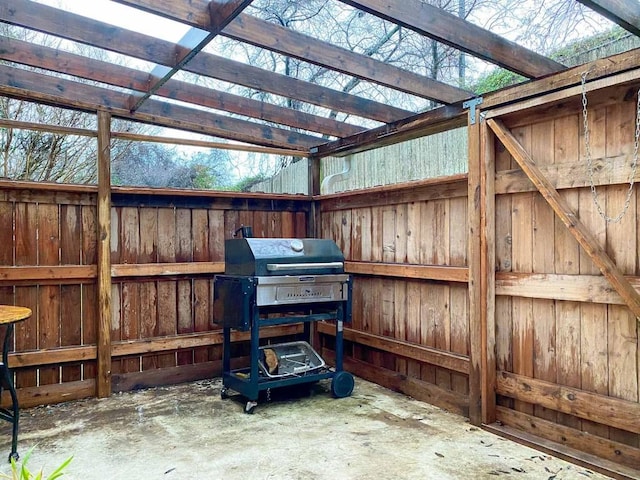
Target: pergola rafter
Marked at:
29, 85
444, 27
225, 17
221, 14
91, 69
248, 29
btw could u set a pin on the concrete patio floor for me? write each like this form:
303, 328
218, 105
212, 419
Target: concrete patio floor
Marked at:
187, 432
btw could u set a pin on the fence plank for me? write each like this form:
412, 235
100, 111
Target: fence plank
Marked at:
598, 408
621, 246
577, 228
567, 261
49, 295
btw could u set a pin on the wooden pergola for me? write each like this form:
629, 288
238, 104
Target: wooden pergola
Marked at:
495, 204
132, 99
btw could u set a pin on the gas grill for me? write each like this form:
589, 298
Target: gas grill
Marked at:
276, 281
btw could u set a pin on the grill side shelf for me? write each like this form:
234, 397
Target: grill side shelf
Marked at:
233, 300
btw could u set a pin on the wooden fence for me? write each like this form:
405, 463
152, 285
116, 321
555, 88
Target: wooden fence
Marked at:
518, 306
165, 249
432, 156
501, 294
561, 326
407, 247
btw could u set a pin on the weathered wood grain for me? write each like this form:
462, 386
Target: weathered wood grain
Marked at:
583, 235
599, 408
559, 447
104, 290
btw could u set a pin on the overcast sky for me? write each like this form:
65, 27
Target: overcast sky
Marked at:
123, 16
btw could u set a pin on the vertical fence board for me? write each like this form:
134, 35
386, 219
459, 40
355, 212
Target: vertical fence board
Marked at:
427, 257
26, 333
149, 319
116, 287
184, 253
6, 253
89, 326
167, 302
6, 233
621, 240
400, 286
89, 294
594, 328
49, 318
442, 330
522, 307
116, 320
414, 240
504, 263
544, 326
130, 314
70, 295
300, 225
148, 253
288, 225
201, 298
26, 253
274, 225
567, 261
458, 294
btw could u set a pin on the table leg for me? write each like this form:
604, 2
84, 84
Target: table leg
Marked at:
12, 415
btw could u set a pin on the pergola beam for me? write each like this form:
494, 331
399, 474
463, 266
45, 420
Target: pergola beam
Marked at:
422, 124
456, 32
63, 24
625, 13
91, 69
33, 86
248, 29
221, 12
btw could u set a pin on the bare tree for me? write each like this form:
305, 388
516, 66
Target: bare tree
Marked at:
45, 156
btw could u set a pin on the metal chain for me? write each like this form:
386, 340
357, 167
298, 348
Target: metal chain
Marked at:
268, 395
589, 158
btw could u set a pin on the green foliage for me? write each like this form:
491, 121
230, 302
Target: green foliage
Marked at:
203, 179
586, 44
21, 472
496, 80
245, 184
501, 78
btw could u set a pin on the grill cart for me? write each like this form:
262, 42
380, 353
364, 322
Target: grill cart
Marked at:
275, 281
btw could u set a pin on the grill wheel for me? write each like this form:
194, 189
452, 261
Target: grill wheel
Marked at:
342, 384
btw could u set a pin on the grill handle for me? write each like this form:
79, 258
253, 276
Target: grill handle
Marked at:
277, 267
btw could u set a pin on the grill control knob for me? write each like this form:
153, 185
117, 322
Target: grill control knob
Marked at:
297, 245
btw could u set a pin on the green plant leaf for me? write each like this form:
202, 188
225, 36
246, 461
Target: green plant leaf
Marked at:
58, 471
22, 472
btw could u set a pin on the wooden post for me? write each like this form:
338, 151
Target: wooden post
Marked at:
475, 273
488, 277
313, 222
103, 381
313, 227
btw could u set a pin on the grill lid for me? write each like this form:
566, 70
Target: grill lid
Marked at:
282, 256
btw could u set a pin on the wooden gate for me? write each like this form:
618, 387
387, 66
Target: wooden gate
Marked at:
561, 356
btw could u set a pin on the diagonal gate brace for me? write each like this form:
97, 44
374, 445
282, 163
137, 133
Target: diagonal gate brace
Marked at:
609, 269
